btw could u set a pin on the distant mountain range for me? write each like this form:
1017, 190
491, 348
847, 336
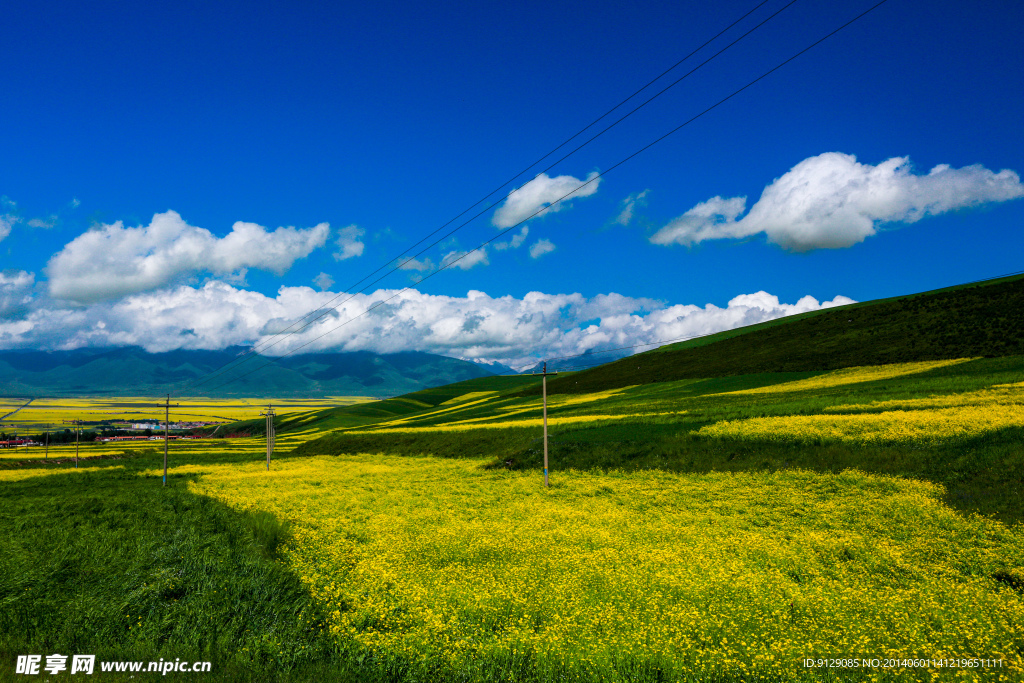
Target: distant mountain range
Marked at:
132, 371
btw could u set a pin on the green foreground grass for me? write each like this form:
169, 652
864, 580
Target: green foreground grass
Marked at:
102, 561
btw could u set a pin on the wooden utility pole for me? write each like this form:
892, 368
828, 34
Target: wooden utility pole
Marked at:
271, 435
544, 392
78, 425
167, 432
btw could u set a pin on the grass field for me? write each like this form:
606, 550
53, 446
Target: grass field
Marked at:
698, 529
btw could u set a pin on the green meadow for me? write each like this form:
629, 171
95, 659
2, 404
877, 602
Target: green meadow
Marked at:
727, 528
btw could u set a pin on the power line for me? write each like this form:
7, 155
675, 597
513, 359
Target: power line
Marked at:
323, 310
569, 194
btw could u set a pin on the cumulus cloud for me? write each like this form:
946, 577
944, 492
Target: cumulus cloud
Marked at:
514, 331
713, 219
832, 201
629, 205
349, 245
113, 261
541, 247
15, 292
323, 281
543, 191
464, 260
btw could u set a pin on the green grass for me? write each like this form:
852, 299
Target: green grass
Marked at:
107, 562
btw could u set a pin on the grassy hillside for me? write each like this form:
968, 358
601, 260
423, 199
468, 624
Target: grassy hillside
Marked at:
400, 406
984, 320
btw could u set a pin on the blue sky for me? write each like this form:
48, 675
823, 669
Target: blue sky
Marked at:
385, 120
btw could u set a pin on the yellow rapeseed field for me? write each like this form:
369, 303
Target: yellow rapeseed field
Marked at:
854, 375
199, 447
994, 396
892, 426
442, 563
56, 411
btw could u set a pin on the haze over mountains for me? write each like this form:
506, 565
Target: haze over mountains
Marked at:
132, 371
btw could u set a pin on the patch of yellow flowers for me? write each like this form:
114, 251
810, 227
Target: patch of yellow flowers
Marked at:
919, 421
891, 426
992, 397
854, 375
443, 563
55, 411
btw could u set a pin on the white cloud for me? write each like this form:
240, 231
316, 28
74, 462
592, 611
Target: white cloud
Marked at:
542, 191
41, 223
541, 247
464, 260
713, 219
9, 216
414, 264
7, 222
629, 205
114, 261
323, 281
514, 243
831, 201
513, 331
15, 292
349, 244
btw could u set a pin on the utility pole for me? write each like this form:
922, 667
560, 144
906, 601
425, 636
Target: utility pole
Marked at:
167, 432
78, 425
46, 456
270, 433
544, 391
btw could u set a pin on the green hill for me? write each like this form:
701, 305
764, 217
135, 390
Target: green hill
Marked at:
979, 320
421, 401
